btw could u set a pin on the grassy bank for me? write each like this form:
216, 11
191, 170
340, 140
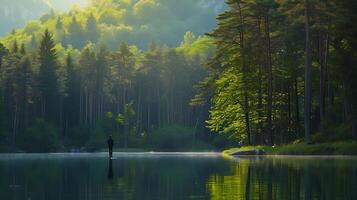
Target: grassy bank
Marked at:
336, 148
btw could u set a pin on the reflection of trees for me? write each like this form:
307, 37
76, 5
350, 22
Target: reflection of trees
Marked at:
180, 178
132, 178
166, 178
286, 178
231, 186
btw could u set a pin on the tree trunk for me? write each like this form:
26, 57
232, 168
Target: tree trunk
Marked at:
61, 116
248, 182
308, 85
297, 109
14, 126
269, 82
348, 108
125, 118
289, 124
327, 74
260, 89
245, 74
322, 60
158, 107
260, 107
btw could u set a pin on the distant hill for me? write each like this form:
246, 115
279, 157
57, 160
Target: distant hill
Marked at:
110, 22
15, 13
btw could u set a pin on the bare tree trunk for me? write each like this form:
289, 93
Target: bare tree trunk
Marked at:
327, 74
61, 116
158, 107
125, 119
168, 109
297, 109
308, 85
14, 125
138, 106
260, 108
269, 82
322, 60
80, 107
260, 90
245, 71
348, 108
149, 123
86, 108
289, 112
43, 108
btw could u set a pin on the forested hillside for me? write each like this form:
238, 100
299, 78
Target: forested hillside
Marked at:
80, 97
15, 13
283, 71
269, 72
66, 83
110, 22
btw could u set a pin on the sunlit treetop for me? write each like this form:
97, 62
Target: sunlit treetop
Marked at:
110, 22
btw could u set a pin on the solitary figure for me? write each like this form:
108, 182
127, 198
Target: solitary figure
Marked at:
110, 145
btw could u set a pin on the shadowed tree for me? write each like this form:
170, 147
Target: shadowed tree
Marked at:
47, 77
92, 29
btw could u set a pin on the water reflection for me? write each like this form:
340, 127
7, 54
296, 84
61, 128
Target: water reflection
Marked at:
175, 177
110, 169
287, 178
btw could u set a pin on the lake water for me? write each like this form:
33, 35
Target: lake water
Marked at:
175, 176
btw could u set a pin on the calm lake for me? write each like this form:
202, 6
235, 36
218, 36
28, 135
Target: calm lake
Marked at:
175, 176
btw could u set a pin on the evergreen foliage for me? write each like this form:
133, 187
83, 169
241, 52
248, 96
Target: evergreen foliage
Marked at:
282, 68
271, 72
74, 90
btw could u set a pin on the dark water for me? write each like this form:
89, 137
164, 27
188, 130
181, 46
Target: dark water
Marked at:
175, 176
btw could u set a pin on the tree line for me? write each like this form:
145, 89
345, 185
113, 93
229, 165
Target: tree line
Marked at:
51, 99
283, 71
111, 22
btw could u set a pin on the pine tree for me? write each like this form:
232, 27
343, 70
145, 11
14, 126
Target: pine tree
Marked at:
308, 83
22, 49
92, 29
3, 53
15, 47
33, 43
71, 102
76, 34
59, 24
47, 77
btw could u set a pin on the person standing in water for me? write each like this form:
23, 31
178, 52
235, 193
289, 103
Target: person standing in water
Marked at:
110, 142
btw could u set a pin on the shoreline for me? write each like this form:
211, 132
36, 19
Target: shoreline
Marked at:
319, 149
118, 150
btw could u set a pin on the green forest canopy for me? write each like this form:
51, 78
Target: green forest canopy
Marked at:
110, 22
271, 72
65, 85
15, 14
283, 71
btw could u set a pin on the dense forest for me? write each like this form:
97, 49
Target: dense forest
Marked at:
15, 14
270, 72
283, 71
62, 87
127, 93
136, 22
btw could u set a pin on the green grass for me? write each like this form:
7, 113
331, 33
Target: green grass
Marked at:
336, 148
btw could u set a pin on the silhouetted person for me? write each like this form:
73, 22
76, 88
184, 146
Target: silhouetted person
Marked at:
110, 145
110, 170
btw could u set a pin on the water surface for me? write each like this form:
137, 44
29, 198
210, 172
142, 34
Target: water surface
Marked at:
175, 176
